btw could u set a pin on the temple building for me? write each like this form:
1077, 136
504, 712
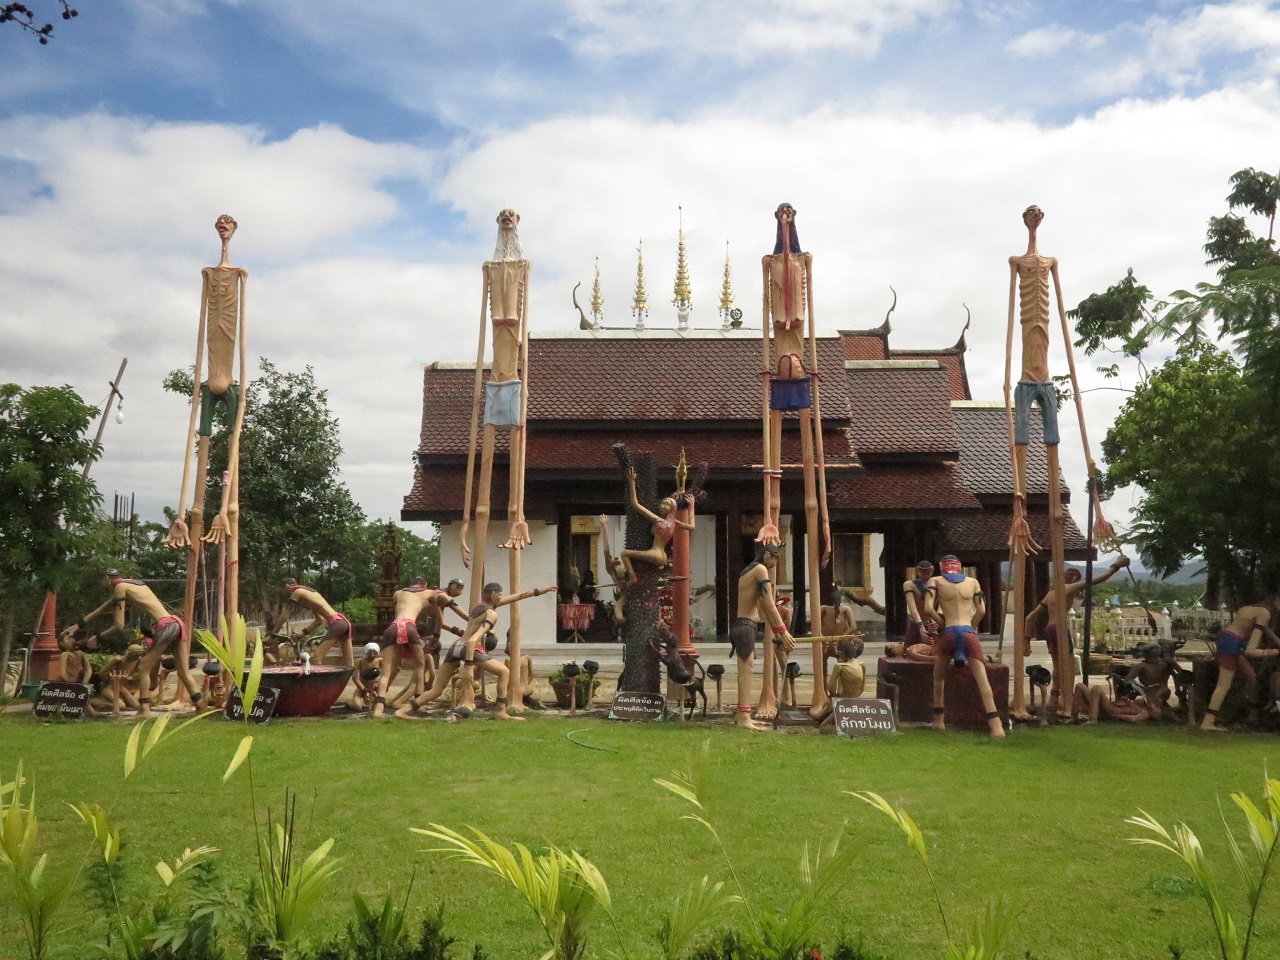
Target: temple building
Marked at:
916, 467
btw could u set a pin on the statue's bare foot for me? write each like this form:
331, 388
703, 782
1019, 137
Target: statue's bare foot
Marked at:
767, 709
218, 530
939, 722
408, 710
503, 715
819, 710
514, 707
1211, 726
1023, 717
742, 720
996, 728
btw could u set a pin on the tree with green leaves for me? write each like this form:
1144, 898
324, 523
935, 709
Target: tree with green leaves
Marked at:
44, 496
1200, 434
296, 515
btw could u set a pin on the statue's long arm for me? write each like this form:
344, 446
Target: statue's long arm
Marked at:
233, 459
765, 372
477, 398
817, 414
524, 385
195, 409
1100, 524
1018, 489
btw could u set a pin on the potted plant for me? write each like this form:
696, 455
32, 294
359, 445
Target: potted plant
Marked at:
560, 685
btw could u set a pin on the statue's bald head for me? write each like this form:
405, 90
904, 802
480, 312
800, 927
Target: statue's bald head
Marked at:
1032, 216
226, 226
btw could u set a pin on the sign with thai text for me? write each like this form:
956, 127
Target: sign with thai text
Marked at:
264, 705
856, 717
59, 699
633, 705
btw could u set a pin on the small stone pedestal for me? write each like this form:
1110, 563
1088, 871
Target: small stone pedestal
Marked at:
964, 703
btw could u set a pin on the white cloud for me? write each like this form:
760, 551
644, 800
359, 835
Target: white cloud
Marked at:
108, 263
1047, 41
745, 29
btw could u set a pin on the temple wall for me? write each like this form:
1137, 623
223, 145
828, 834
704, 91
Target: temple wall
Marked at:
538, 569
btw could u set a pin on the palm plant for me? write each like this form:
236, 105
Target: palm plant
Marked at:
985, 940
36, 896
1253, 862
287, 892
561, 887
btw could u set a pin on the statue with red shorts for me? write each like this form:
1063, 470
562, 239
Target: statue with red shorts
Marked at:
1235, 645
337, 626
169, 635
958, 602
402, 643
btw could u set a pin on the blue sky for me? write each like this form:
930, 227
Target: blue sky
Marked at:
366, 148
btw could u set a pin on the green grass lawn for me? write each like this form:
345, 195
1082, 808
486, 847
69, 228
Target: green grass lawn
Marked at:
1038, 818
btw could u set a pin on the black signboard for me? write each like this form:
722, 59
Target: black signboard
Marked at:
633, 705
58, 699
858, 717
264, 705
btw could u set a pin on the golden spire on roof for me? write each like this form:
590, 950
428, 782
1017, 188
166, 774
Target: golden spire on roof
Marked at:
726, 288
640, 302
597, 300
684, 293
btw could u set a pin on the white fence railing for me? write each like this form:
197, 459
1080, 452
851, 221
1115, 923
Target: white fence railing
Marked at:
1122, 628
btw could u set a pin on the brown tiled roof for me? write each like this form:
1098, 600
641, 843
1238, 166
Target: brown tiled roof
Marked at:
661, 379
864, 345
901, 411
952, 362
590, 450
989, 532
916, 487
625, 379
984, 452
438, 491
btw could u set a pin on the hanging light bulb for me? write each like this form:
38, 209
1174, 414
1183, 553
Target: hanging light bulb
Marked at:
120, 412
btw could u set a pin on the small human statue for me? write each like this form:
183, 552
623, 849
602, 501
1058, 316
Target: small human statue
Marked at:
757, 602
169, 634
469, 649
914, 592
839, 620
957, 600
337, 627
1038, 624
222, 329
618, 574
73, 665
365, 677
848, 678
791, 383
1153, 673
122, 679
665, 525
1029, 280
1235, 645
1126, 703
403, 643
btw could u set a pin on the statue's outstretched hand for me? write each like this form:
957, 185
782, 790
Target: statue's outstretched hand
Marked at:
826, 540
218, 530
788, 642
179, 536
1020, 538
769, 536
466, 547
519, 538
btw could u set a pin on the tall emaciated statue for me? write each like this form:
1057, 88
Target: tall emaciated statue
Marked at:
505, 403
222, 330
791, 383
1029, 278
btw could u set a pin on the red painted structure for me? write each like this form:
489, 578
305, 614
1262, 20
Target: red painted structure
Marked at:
963, 702
306, 695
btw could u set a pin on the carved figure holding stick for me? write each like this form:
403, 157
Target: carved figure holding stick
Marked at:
756, 602
222, 330
403, 644
1029, 280
792, 384
505, 401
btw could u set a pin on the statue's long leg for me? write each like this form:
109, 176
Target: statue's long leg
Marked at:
233, 466
477, 401
813, 551
1065, 673
516, 513
482, 516
196, 548
195, 400
767, 448
1019, 554
773, 502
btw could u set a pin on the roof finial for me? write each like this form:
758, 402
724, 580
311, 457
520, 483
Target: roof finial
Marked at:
640, 302
597, 300
887, 326
726, 292
683, 300
961, 346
